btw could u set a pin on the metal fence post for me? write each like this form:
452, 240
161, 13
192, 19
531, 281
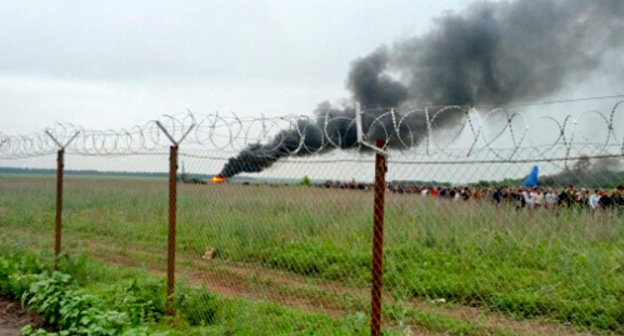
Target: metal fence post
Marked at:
171, 246
59, 204
171, 249
378, 222
58, 220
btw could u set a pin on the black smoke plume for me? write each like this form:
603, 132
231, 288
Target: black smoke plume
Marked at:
493, 53
587, 173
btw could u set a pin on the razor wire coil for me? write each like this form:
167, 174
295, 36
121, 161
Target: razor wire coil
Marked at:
407, 134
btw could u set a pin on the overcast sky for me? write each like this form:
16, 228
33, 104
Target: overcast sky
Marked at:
113, 64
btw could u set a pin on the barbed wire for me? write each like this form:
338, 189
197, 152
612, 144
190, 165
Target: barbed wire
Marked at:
455, 132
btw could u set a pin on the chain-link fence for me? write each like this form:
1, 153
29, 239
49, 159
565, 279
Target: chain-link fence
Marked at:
491, 222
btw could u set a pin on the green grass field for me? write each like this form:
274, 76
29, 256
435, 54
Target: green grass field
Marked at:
449, 267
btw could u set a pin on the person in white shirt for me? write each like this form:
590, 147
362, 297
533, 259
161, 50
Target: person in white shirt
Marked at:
538, 198
528, 198
594, 199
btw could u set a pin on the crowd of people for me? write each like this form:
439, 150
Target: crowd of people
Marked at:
567, 197
521, 197
526, 197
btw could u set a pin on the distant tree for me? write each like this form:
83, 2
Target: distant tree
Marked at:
306, 181
484, 183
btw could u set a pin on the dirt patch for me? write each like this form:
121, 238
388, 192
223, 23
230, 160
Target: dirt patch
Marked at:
14, 317
240, 282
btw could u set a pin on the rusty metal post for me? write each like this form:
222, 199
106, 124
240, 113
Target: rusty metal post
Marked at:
60, 165
59, 204
173, 168
378, 222
171, 248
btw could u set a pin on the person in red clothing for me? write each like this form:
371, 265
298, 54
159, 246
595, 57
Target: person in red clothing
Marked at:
476, 195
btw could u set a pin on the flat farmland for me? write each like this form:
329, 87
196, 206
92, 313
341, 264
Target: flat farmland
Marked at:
450, 267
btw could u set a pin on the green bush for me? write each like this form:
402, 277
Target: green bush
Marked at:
197, 305
139, 299
58, 299
71, 310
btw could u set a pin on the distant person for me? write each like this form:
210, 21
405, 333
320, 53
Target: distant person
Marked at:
519, 200
434, 192
582, 198
551, 199
528, 197
507, 195
594, 199
606, 201
476, 195
566, 197
538, 198
619, 197
465, 193
452, 193
497, 196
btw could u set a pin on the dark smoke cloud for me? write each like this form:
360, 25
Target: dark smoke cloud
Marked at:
588, 173
370, 86
305, 138
494, 53
497, 53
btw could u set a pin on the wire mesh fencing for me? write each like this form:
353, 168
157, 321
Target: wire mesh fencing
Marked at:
446, 220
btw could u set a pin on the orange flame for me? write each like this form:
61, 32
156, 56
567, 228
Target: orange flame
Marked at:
218, 179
